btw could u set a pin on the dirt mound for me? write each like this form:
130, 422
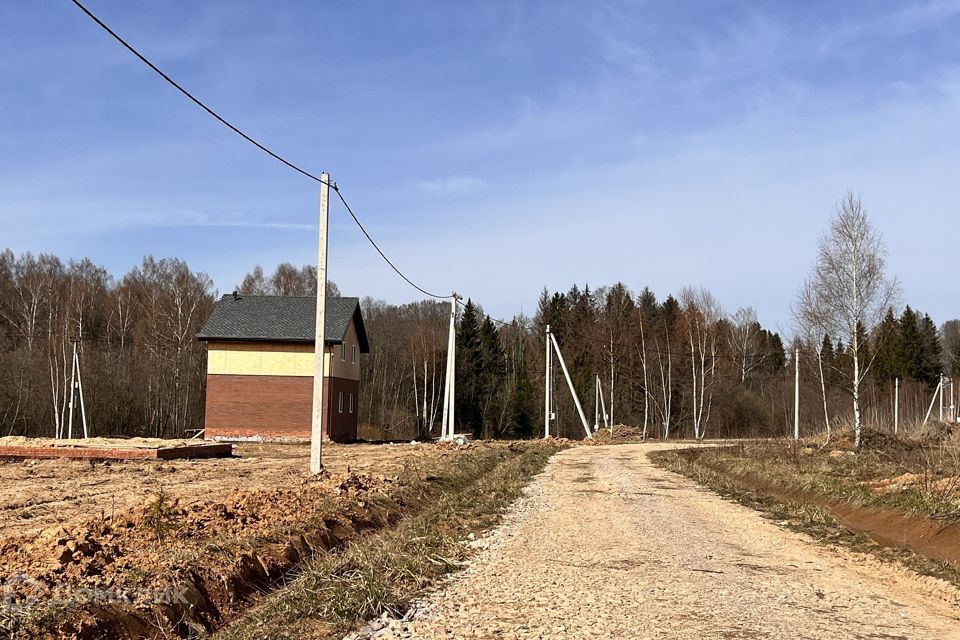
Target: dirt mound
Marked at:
872, 440
189, 564
620, 433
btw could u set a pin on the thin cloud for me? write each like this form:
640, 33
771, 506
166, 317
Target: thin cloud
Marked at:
452, 186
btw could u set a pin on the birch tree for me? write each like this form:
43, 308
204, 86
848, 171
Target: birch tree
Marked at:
701, 313
849, 288
744, 340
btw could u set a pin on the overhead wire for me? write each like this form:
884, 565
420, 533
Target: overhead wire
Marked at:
255, 143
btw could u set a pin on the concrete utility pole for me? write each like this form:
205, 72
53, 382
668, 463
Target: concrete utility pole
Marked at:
450, 388
547, 385
796, 394
76, 385
320, 343
896, 405
596, 404
611, 384
573, 391
941, 397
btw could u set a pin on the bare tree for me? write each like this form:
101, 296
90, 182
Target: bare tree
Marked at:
848, 291
744, 340
701, 314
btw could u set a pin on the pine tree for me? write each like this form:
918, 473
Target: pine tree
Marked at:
911, 344
520, 407
492, 372
647, 302
469, 370
931, 353
888, 344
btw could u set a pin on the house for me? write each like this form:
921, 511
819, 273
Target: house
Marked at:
260, 366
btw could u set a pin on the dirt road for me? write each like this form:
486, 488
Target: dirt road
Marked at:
605, 545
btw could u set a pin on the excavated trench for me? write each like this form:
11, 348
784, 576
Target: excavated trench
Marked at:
932, 538
221, 559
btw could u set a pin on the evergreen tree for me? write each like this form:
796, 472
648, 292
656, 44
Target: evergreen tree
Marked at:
647, 302
778, 355
911, 344
888, 344
931, 353
521, 413
950, 339
469, 370
492, 372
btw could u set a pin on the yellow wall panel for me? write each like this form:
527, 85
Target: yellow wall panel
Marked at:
262, 359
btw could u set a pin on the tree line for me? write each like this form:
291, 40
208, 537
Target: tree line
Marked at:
679, 366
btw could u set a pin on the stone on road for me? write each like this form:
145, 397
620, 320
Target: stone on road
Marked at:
606, 545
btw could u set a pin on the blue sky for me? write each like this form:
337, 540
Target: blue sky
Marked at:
491, 147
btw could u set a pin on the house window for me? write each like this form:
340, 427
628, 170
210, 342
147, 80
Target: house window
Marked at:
351, 403
353, 353
343, 351
341, 402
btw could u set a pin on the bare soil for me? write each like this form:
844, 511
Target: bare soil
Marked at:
38, 494
131, 549
607, 545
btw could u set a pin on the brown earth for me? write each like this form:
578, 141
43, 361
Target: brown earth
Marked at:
37, 494
176, 548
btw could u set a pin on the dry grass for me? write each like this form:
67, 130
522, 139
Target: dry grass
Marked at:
827, 491
381, 573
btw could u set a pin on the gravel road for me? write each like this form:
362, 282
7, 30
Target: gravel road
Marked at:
606, 545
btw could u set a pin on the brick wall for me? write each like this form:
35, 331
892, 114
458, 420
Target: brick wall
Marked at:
276, 407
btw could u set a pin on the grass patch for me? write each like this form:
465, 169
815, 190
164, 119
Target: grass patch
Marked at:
382, 573
800, 485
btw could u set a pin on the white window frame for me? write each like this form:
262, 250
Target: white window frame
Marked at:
351, 403
341, 402
343, 352
353, 353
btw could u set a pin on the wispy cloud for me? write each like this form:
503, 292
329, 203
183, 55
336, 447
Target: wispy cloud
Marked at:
452, 186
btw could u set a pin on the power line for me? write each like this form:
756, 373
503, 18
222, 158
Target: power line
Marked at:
502, 323
252, 141
380, 251
193, 98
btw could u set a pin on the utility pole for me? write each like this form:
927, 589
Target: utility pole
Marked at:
450, 388
547, 385
611, 383
76, 386
953, 404
933, 400
453, 366
941, 397
796, 394
596, 403
896, 405
319, 342
573, 391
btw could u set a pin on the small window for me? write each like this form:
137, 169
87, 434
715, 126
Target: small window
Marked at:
343, 351
341, 402
353, 353
351, 403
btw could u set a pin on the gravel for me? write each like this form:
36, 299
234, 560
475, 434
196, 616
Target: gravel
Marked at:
606, 545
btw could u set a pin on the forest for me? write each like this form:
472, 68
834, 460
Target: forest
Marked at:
677, 367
